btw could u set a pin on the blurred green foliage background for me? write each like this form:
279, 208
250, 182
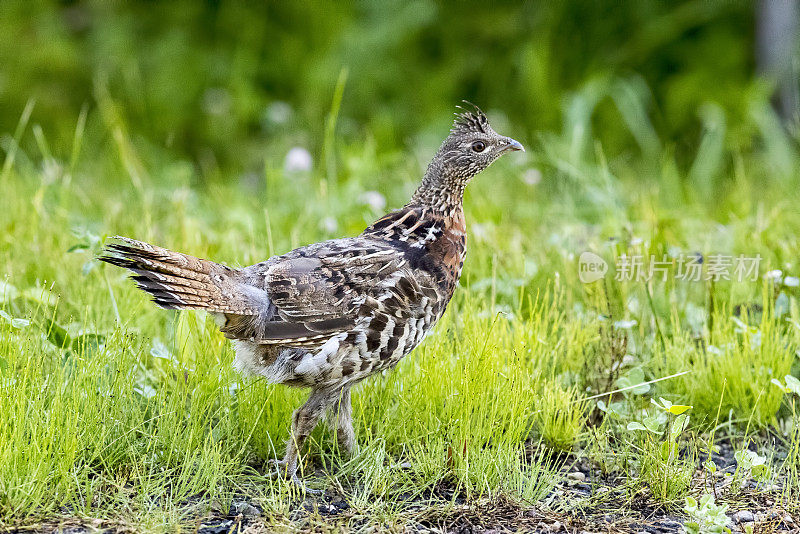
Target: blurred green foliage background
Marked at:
225, 84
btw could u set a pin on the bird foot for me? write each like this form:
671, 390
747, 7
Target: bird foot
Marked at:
302, 486
277, 468
280, 468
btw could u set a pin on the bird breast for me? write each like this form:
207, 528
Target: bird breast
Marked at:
450, 250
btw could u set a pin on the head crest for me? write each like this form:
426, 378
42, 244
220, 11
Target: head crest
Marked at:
473, 120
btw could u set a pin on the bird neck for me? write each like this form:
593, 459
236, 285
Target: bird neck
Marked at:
440, 190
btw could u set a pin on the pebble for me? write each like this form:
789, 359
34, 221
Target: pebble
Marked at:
245, 508
769, 515
577, 475
668, 525
217, 507
327, 508
218, 528
340, 505
744, 516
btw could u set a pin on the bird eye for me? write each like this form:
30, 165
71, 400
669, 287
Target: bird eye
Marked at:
478, 146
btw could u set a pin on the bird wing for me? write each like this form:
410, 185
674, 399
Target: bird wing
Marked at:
318, 290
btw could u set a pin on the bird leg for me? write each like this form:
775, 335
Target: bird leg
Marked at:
340, 417
304, 419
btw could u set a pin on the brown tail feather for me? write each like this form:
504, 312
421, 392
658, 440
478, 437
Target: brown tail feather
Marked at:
179, 281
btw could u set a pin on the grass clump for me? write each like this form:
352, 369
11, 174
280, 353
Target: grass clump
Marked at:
732, 374
561, 417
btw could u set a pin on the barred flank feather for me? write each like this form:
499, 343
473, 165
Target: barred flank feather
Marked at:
179, 281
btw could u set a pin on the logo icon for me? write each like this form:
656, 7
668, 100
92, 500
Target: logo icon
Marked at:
591, 267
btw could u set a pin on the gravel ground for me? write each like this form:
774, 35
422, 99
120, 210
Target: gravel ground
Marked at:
584, 502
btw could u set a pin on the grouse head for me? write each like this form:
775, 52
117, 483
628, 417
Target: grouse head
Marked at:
471, 147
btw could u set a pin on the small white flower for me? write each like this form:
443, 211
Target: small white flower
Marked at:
278, 112
791, 281
774, 275
146, 391
480, 231
52, 171
329, 224
625, 325
636, 241
298, 159
532, 176
373, 199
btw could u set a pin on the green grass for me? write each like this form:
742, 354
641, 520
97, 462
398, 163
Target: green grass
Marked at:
111, 408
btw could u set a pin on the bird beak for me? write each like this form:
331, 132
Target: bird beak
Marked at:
512, 146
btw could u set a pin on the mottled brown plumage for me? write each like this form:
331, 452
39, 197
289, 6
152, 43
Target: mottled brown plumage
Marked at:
327, 315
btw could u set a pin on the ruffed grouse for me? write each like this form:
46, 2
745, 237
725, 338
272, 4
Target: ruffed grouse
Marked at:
327, 315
